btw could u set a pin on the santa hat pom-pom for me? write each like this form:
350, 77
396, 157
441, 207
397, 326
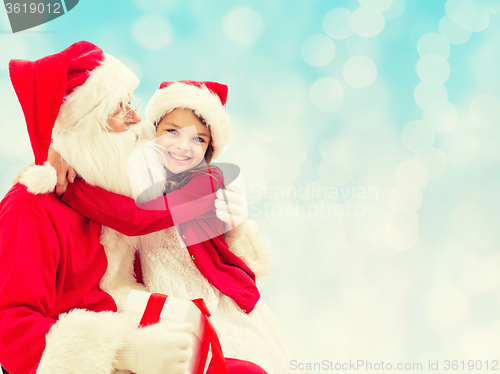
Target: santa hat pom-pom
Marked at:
40, 178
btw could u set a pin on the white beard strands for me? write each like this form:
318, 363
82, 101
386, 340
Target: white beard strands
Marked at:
100, 157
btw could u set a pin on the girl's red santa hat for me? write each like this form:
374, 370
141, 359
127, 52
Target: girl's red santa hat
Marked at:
77, 87
205, 99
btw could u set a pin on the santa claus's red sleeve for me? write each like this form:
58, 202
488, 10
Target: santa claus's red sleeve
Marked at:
28, 293
41, 285
122, 214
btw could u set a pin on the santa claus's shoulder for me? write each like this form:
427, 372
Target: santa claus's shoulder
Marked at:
20, 204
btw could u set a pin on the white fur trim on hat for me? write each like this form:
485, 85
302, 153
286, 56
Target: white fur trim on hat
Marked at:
200, 100
108, 85
40, 178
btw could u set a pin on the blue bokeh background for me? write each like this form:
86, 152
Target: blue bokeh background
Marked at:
368, 133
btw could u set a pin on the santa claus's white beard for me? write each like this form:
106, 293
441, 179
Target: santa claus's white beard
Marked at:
101, 158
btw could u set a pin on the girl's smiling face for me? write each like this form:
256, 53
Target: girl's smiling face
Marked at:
185, 139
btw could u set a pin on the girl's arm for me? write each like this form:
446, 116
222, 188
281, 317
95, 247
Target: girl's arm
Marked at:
122, 214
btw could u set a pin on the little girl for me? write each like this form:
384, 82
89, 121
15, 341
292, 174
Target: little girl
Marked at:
192, 260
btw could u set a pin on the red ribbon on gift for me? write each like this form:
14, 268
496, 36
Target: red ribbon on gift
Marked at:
152, 315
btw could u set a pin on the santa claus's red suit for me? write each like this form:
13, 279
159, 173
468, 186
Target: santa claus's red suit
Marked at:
51, 260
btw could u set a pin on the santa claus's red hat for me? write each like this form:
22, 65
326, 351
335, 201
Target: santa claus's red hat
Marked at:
77, 87
205, 99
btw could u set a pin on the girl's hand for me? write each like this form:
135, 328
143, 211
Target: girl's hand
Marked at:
231, 206
65, 173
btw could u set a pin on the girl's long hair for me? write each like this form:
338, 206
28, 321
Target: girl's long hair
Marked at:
176, 181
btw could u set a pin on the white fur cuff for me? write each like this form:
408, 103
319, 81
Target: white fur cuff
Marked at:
84, 342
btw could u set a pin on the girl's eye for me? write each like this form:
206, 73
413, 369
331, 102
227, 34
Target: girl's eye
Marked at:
173, 132
198, 139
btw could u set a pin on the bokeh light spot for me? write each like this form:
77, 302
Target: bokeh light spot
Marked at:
327, 93
152, 32
471, 15
434, 160
397, 8
485, 110
412, 174
243, 25
318, 50
433, 69
493, 6
381, 5
360, 71
417, 136
462, 12
337, 23
427, 94
453, 32
441, 116
433, 43
367, 21
462, 149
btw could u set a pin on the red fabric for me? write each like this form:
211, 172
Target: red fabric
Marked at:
46, 250
137, 268
42, 84
218, 89
192, 209
236, 366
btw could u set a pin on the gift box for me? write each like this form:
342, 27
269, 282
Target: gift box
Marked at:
149, 308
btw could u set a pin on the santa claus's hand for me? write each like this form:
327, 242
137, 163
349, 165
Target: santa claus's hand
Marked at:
231, 206
65, 173
157, 349
18, 178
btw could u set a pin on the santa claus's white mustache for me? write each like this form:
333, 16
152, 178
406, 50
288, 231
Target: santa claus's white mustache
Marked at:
100, 157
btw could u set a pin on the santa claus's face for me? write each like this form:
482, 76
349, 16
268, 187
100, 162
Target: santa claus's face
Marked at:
185, 140
123, 117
